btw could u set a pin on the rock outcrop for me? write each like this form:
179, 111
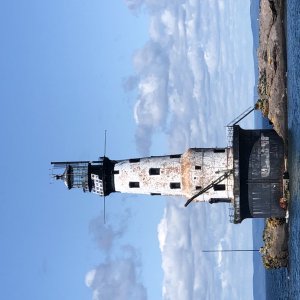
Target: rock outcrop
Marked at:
275, 251
272, 91
272, 64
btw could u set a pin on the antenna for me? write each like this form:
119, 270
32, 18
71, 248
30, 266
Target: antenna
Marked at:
104, 142
234, 250
103, 174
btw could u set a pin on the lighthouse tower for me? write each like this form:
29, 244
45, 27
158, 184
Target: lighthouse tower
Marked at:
248, 174
204, 172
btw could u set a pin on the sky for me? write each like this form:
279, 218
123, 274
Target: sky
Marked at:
159, 76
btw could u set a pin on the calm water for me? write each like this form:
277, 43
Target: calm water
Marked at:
285, 283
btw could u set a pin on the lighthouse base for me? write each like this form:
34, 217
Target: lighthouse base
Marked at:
258, 157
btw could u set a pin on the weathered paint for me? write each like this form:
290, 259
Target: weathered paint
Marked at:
254, 184
258, 169
170, 171
265, 155
213, 164
195, 168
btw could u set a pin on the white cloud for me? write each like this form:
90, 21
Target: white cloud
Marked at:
195, 75
190, 273
105, 235
162, 233
117, 279
169, 21
134, 4
190, 72
118, 276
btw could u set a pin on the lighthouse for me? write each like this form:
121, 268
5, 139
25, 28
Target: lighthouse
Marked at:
247, 174
169, 175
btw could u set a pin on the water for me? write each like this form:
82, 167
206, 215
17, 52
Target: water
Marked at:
285, 283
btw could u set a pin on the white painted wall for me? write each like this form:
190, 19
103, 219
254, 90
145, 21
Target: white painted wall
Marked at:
170, 171
213, 165
182, 170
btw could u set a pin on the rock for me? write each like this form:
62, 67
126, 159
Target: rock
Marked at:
272, 64
275, 251
272, 91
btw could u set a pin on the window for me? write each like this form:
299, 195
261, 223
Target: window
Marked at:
154, 171
175, 156
175, 185
219, 150
219, 187
197, 167
116, 171
216, 200
155, 194
134, 160
134, 184
198, 187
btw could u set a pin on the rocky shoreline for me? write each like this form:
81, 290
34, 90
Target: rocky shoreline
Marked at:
272, 64
275, 250
272, 91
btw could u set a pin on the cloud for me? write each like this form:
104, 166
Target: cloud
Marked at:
190, 273
105, 235
150, 110
118, 276
151, 5
130, 83
134, 5
191, 75
182, 260
195, 75
117, 279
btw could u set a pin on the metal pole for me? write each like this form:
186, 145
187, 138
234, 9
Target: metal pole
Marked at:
235, 250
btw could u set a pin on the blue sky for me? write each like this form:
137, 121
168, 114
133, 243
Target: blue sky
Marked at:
154, 75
